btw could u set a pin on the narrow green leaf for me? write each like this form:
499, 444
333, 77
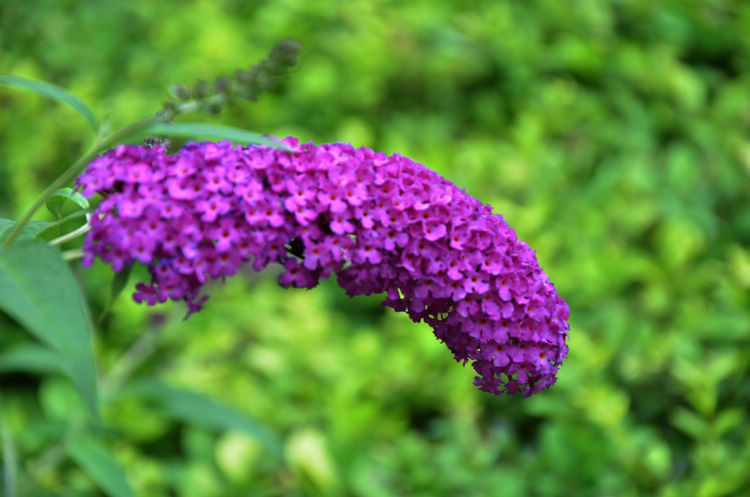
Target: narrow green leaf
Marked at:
32, 358
57, 200
197, 409
54, 92
38, 290
99, 463
728, 419
29, 231
210, 131
119, 282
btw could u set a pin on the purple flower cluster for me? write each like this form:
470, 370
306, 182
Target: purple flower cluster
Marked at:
382, 224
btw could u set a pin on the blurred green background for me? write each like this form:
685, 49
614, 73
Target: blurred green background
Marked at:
614, 136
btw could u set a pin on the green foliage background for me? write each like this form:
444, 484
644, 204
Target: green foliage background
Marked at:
613, 135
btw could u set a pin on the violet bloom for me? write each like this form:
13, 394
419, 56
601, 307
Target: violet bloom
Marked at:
382, 224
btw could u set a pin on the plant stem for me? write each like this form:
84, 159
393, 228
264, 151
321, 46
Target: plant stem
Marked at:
100, 145
49, 459
75, 169
69, 236
195, 105
10, 464
143, 347
65, 219
72, 254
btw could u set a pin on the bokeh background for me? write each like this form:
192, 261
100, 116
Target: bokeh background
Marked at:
614, 136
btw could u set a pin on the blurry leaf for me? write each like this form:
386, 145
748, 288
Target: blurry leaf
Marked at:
690, 423
679, 240
54, 92
237, 455
135, 420
59, 400
739, 262
38, 290
198, 444
119, 282
200, 410
309, 459
199, 479
211, 131
727, 420
99, 463
30, 357
57, 200
28, 232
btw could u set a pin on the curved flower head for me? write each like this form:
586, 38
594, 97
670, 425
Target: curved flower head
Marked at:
381, 224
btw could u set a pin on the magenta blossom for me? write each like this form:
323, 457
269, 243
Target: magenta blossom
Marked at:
382, 224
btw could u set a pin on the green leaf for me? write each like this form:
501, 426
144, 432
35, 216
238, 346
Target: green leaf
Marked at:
690, 423
54, 92
38, 290
99, 463
197, 409
57, 200
210, 131
119, 282
727, 420
29, 231
32, 358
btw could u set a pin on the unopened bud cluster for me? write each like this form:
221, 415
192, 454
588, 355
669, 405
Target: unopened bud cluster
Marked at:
244, 84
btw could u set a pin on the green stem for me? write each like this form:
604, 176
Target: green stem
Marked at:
141, 350
70, 173
70, 236
65, 219
195, 105
49, 459
10, 464
100, 145
72, 254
